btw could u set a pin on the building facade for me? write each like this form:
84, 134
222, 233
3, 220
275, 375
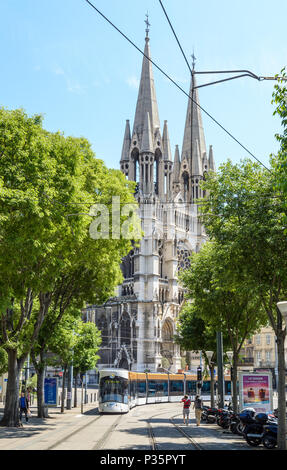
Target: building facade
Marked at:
139, 323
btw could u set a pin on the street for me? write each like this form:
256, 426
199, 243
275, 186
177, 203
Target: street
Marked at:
155, 427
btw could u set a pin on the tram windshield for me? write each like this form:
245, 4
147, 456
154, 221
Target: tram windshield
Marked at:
114, 389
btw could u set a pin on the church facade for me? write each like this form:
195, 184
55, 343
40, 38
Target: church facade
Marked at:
139, 323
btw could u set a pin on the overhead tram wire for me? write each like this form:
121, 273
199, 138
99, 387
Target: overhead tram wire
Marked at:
182, 51
176, 84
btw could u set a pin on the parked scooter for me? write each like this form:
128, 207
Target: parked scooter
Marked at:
245, 417
234, 422
269, 438
223, 418
209, 415
254, 431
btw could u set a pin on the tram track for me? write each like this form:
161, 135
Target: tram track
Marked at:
153, 443
73, 433
100, 442
107, 434
188, 437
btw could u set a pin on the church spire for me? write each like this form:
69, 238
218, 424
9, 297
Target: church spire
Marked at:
176, 165
146, 102
166, 143
193, 125
127, 142
147, 140
211, 159
196, 168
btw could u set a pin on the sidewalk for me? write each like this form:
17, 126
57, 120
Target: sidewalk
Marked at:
44, 430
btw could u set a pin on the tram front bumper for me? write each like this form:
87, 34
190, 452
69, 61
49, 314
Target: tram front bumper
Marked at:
113, 407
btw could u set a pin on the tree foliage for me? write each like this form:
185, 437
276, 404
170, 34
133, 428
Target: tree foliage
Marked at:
48, 261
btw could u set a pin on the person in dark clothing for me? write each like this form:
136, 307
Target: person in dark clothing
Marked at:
198, 409
24, 406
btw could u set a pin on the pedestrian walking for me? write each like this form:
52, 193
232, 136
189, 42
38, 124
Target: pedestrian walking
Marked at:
24, 407
198, 409
186, 405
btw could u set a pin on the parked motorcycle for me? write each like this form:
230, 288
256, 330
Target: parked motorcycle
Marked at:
209, 414
245, 417
234, 422
223, 418
254, 431
269, 438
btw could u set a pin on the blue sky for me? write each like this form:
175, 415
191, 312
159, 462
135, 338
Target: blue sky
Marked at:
61, 59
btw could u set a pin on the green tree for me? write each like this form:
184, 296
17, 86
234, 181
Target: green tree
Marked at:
195, 334
45, 182
220, 300
243, 214
85, 351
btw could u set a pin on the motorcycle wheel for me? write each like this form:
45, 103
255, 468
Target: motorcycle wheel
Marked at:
269, 442
210, 420
225, 424
233, 428
240, 429
253, 441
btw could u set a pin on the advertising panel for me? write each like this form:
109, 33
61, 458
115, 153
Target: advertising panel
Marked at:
51, 391
255, 391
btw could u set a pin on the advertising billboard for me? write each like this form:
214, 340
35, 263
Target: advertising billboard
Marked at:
255, 391
51, 391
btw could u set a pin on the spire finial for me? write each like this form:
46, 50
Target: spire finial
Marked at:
147, 25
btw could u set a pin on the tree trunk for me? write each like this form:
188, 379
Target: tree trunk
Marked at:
281, 436
40, 371
11, 410
234, 383
42, 409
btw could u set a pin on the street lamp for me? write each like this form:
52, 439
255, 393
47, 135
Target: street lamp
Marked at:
209, 355
230, 357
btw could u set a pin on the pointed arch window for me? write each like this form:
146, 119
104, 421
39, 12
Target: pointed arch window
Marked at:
103, 327
125, 329
160, 258
185, 183
135, 158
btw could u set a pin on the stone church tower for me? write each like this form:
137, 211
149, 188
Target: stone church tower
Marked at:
138, 324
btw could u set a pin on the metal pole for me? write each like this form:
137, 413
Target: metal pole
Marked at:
82, 394
86, 394
220, 376
27, 370
69, 387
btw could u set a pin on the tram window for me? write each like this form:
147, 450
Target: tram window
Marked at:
227, 387
114, 389
176, 387
191, 387
205, 387
133, 388
157, 387
141, 388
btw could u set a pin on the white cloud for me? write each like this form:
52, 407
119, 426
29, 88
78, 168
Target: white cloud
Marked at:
72, 85
133, 82
59, 71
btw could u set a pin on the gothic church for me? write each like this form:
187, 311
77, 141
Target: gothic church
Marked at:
138, 324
